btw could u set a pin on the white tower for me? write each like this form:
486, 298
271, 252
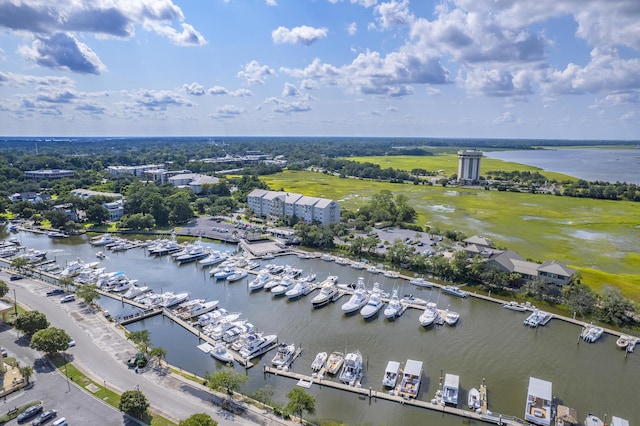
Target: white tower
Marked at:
469, 165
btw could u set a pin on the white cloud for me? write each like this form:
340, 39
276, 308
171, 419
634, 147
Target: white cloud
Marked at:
303, 35
220, 90
195, 89
394, 13
271, 2
505, 118
63, 52
20, 80
352, 28
290, 90
254, 73
283, 107
228, 111
159, 100
187, 37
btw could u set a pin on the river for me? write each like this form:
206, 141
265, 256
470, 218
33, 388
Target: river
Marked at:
593, 164
489, 342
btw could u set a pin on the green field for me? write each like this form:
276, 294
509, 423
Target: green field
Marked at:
597, 237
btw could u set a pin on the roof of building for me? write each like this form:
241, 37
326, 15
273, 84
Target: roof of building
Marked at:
524, 267
204, 179
478, 240
413, 367
291, 198
307, 201
505, 259
540, 388
272, 195
451, 380
323, 202
257, 193
567, 415
551, 266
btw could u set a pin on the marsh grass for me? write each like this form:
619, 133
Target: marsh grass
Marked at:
597, 237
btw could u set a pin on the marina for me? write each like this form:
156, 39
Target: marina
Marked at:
377, 339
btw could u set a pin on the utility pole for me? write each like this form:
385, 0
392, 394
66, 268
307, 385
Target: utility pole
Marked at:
15, 301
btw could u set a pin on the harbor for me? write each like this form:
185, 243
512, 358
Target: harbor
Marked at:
488, 341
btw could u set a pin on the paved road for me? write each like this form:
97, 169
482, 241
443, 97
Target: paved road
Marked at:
101, 352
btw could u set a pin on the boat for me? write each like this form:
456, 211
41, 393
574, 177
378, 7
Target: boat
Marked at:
284, 355
593, 420
170, 299
391, 274
257, 345
411, 378
410, 299
135, 291
391, 373
224, 273
394, 307
351, 368
450, 389
199, 308
429, 315
537, 318
319, 361
618, 421
624, 341
538, 409
455, 291
473, 399
221, 353
237, 276
519, 307
252, 265
591, 333
103, 240
259, 282
358, 299
285, 284
211, 317
328, 292
238, 332
301, 288
421, 282
374, 304
194, 253
334, 362
56, 234
451, 317
327, 258
100, 255
212, 259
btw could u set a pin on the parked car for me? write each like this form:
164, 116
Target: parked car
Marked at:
16, 277
44, 417
68, 298
60, 422
55, 292
29, 413
4, 352
72, 343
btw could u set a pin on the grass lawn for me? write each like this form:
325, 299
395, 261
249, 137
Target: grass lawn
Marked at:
597, 237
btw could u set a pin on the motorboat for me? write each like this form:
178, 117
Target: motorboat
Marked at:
351, 368
358, 299
518, 307
217, 332
391, 274
624, 341
301, 288
473, 399
194, 253
411, 378
391, 373
221, 353
410, 299
539, 402
123, 284
451, 318
257, 345
237, 332
537, 318
285, 285
319, 361
593, 420
199, 308
259, 282
135, 291
334, 362
328, 292
103, 240
591, 333
252, 265
421, 282
284, 355
224, 273
211, 317
309, 278
327, 258
454, 290
450, 389
374, 304
237, 276
429, 315
212, 259
171, 299
394, 307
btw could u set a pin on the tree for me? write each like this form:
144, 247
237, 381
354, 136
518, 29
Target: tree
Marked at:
263, 394
226, 380
20, 263
97, 214
4, 289
31, 322
88, 293
159, 353
26, 372
65, 282
200, 419
141, 338
50, 340
614, 308
459, 264
134, 403
580, 298
300, 401
58, 218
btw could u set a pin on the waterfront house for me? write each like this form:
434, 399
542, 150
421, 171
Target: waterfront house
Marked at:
551, 271
538, 404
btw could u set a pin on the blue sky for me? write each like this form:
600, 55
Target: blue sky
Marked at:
567, 69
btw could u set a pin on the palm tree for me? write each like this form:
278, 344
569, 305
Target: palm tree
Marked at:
27, 372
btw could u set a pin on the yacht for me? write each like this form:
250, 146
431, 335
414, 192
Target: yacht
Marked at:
394, 308
237, 332
411, 378
352, 368
538, 409
328, 292
301, 288
451, 317
103, 240
421, 282
237, 276
537, 318
624, 341
284, 355
518, 307
170, 299
56, 234
593, 420
285, 285
450, 389
319, 361
473, 399
196, 252
224, 273
199, 308
334, 362
455, 291
429, 315
212, 259
135, 291
391, 274
257, 345
591, 333
221, 353
390, 378
358, 299
374, 304
259, 282
410, 299
211, 317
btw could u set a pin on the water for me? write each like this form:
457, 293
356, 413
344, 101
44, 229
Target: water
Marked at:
591, 164
489, 342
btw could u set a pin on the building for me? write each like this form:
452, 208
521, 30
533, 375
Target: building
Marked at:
469, 165
48, 174
68, 210
115, 209
539, 402
194, 181
133, 170
161, 176
284, 204
32, 197
86, 193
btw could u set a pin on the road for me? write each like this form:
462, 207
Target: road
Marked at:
101, 352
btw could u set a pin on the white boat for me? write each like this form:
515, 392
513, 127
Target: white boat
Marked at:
410, 299
301, 288
319, 361
351, 368
170, 299
451, 317
284, 355
238, 331
518, 307
212, 259
391, 373
411, 378
259, 282
358, 299
56, 234
394, 307
538, 409
199, 308
373, 270
391, 274
237, 276
429, 315
103, 240
194, 253
135, 291
257, 345
211, 317
327, 258
374, 304
624, 341
252, 265
221, 353
421, 282
334, 362
450, 389
455, 291
285, 285
224, 273
593, 420
100, 255
537, 318
328, 292
473, 399
591, 333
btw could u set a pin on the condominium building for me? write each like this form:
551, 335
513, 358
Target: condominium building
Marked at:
281, 204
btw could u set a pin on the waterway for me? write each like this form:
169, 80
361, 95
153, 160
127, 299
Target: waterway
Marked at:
489, 342
593, 164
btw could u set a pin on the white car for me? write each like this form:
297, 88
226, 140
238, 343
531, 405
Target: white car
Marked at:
72, 343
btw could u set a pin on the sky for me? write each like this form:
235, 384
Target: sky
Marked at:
543, 69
